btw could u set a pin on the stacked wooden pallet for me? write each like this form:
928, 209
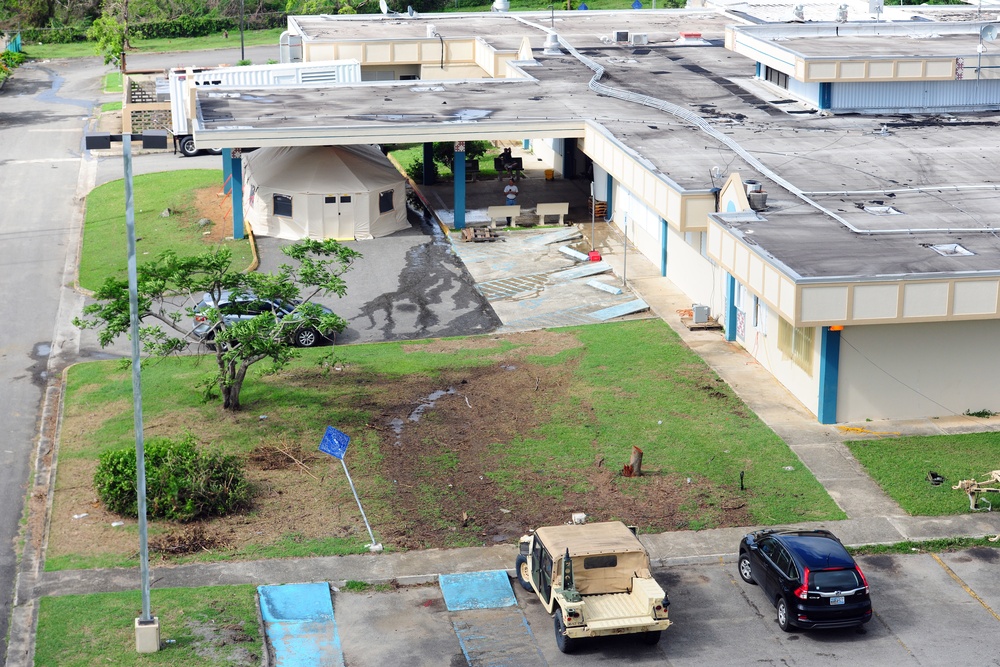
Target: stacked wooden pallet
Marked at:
600, 208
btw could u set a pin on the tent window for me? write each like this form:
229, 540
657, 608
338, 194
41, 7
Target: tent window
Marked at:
385, 201
346, 199
283, 205
330, 199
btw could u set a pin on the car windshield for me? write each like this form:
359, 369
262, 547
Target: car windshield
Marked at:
834, 580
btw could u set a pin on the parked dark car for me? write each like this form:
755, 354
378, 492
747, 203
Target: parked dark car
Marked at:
808, 576
244, 306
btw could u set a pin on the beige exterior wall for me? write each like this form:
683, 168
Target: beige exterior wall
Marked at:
465, 58
909, 371
693, 274
875, 69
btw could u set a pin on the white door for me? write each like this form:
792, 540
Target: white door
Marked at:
338, 216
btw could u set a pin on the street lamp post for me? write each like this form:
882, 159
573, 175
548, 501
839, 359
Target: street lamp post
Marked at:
147, 626
243, 55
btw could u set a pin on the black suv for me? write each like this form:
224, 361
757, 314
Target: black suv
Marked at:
808, 576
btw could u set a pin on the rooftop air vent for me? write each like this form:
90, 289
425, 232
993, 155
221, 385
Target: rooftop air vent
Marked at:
951, 250
638, 39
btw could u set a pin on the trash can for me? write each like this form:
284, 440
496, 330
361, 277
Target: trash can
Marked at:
550, 174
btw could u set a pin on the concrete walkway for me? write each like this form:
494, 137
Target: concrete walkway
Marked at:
873, 518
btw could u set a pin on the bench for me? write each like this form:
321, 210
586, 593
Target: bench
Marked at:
516, 170
494, 212
471, 170
558, 208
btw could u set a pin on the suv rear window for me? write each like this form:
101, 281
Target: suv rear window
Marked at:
834, 580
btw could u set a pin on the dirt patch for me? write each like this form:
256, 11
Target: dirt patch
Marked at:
211, 205
227, 642
445, 461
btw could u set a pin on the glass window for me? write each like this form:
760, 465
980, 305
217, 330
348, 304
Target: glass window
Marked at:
346, 199
797, 344
282, 205
784, 563
834, 580
385, 201
330, 199
767, 547
594, 562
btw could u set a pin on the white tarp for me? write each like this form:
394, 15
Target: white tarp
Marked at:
323, 192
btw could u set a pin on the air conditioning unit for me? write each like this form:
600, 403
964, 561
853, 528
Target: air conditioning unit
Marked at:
638, 38
619, 35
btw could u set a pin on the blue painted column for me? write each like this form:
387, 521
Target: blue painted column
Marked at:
526, 144
663, 248
730, 307
829, 375
227, 170
610, 212
459, 171
759, 70
825, 90
236, 165
428, 174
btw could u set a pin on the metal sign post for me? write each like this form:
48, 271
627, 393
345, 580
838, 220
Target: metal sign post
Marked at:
335, 444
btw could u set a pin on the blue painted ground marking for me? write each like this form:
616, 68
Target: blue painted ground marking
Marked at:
299, 625
477, 590
620, 310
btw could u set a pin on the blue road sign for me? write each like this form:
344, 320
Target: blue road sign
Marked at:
335, 443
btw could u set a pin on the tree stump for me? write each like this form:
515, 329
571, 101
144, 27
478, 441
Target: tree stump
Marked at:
634, 467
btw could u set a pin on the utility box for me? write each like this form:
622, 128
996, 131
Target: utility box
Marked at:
699, 314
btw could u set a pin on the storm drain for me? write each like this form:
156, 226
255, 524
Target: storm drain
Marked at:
504, 288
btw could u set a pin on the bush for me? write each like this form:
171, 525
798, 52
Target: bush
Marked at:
415, 170
182, 482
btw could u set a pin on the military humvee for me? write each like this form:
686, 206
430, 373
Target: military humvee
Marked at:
595, 580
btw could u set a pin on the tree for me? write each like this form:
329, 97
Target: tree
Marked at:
110, 31
444, 151
169, 285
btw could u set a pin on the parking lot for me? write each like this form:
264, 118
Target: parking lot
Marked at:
927, 612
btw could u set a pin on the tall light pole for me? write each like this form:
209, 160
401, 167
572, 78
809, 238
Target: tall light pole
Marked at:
147, 626
243, 55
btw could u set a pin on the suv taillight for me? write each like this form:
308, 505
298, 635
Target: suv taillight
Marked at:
863, 579
200, 318
802, 592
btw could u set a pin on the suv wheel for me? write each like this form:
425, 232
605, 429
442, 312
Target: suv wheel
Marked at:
523, 573
746, 574
563, 643
306, 337
784, 622
651, 638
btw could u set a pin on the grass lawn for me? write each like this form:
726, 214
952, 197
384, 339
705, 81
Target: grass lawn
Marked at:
210, 626
621, 384
88, 49
111, 106
900, 467
104, 245
113, 82
411, 154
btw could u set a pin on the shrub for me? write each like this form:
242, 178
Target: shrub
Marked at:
182, 482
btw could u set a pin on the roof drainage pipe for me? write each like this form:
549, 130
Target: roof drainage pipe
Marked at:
696, 120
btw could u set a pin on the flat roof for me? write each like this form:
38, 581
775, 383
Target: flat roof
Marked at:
589, 538
939, 171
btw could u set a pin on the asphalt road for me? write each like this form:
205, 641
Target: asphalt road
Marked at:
927, 612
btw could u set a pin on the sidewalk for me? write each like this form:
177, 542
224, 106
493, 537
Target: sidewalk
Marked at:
873, 518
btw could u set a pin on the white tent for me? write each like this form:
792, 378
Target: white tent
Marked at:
322, 192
